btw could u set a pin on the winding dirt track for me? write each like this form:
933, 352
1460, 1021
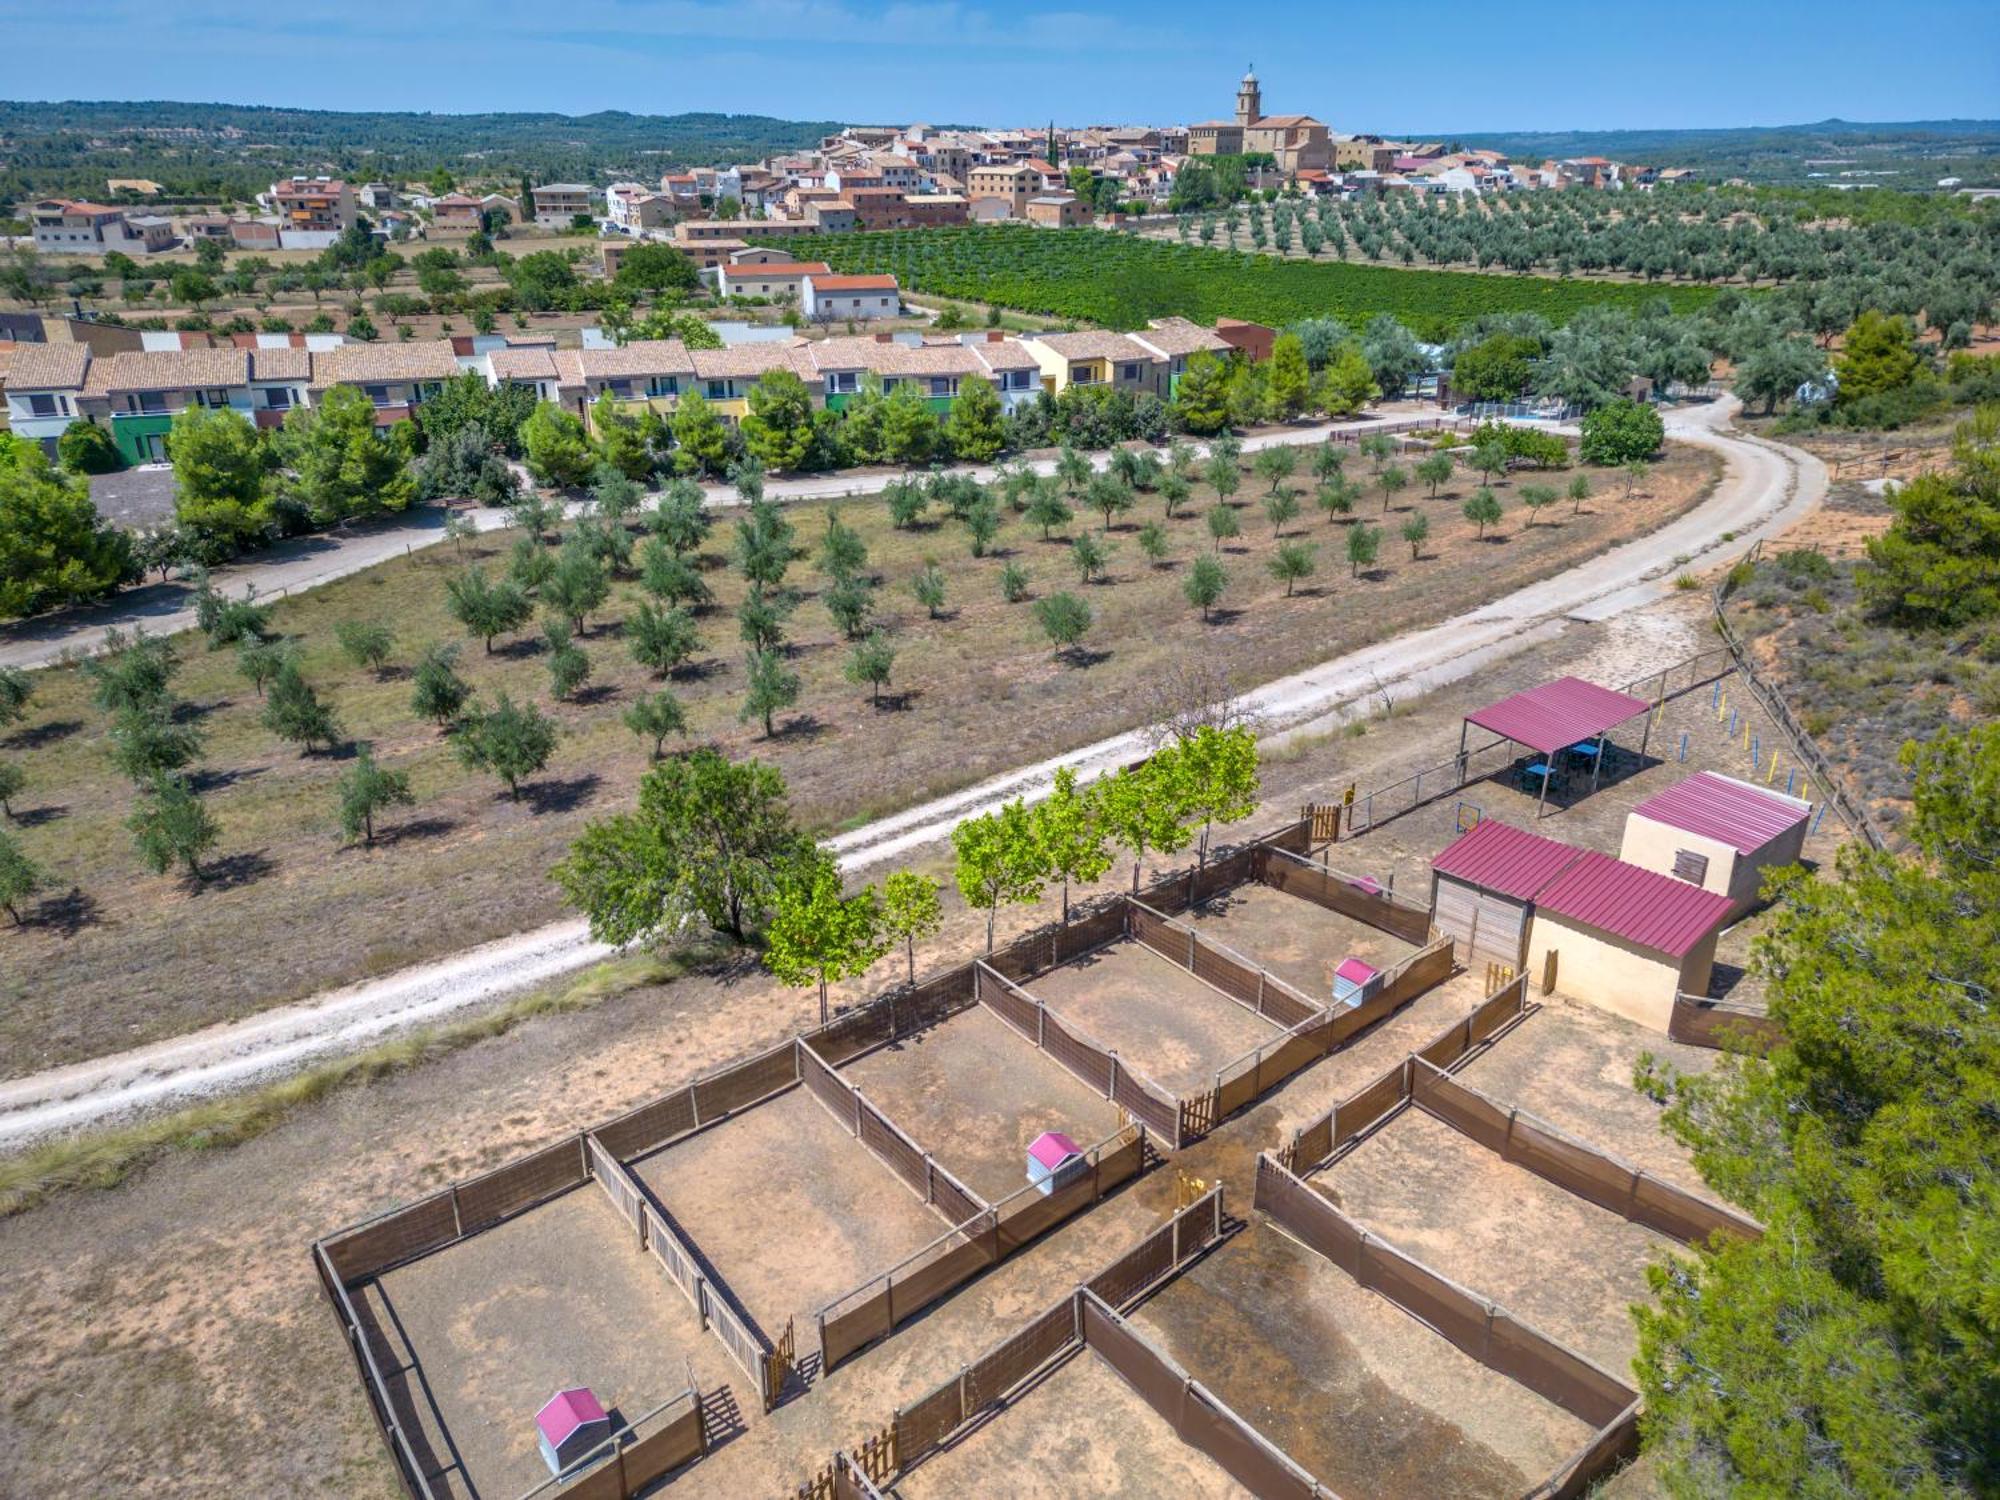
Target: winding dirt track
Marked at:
1766, 488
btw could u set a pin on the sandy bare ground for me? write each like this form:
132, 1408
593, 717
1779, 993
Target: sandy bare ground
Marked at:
1766, 488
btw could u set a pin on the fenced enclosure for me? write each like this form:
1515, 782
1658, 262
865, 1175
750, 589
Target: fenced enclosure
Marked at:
1702, 1022
913, 1165
923, 1425
634, 1459
876, 1308
1473, 1324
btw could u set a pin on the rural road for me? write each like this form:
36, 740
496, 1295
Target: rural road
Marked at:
307, 562
1766, 487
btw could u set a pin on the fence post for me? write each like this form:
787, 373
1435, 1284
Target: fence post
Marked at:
1041, 1027
1260, 992
857, 1114
457, 1224
930, 1179
694, 1106
1190, 962
1111, 1079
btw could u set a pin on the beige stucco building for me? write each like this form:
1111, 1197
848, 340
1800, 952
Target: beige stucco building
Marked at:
1718, 833
1297, 142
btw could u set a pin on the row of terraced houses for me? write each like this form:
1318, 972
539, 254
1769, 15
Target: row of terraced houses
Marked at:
137, 393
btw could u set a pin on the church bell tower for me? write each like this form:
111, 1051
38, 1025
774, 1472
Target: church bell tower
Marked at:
1249, 100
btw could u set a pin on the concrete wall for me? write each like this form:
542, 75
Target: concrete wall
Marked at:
1614, 973
1652, 846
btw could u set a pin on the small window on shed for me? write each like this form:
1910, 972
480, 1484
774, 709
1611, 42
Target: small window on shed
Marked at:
1690, 866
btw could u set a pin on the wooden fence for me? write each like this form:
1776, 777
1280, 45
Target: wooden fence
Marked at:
1479, 1327
1701, 1022
1314, 1143
1348, 895
876, 1308
1219, 967
1554, 1156
633, 1460
917, 1169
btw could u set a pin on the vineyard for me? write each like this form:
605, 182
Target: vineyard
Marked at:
1120, 281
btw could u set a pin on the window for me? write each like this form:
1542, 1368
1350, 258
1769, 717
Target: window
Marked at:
1130, 372
1690, 866
845, 383
278, 398
665, 385
379, 394
215, 398
153, 403
718, 390
622, 389
1081, 375
40, 405
1020, 380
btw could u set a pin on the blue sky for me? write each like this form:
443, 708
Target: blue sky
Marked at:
1448, 66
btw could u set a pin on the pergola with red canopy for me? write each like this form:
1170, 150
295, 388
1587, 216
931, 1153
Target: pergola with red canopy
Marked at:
1553, 717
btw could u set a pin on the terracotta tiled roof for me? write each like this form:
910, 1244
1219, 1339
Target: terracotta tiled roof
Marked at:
1094, 344
361, 364
1004, 354
522, 364
751, 360
1173, 336
167, 370
49, 367
853, 283
640, 358
293, 362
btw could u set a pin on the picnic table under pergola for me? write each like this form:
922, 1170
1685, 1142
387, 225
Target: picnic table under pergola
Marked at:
1567, 715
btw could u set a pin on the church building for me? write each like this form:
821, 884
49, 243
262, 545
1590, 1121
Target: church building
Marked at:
1298, 142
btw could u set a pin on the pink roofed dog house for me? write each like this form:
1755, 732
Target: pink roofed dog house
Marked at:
569, 1426
1054, 1161
1354, 981
1718, 833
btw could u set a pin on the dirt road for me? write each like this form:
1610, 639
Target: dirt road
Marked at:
1766, 488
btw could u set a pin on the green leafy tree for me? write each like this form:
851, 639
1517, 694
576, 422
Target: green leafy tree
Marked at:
910, 910
662, 639
1222, 474
778, 428
337, 467
761, 620
701, 442
1205, 584
1878, 354
1393, 480
54, 547
1346, 384
764, 545
654, 267
1364, 542
1636, 471
769, 688
1090, 557
511, 741
1579, 491
367, 643
1434, 470
1280, 507
1153, 541
171, 827
869, 664
367, 790
1064, 618
1201, 396
86, 448
1851, 1348
1292, 563
656, 716
1620, 431
1223, 525
1013, 583
1108, 495
568, 663
707, 842
818, 934
1536, 497
929, 587
842, 553
437, 692
16, 689
672, 578
1290, 388
1416, 531
977, 428
294, 713
485, 608
147, 740
577, 586
621, 447
1070, 835
1483, 509
1175, 489
1141, 811
1275, 465
557, 448
1214, 772
13, 777
911, 432
131, 671
680, 517
20, 877
999, 860
907, 500
1336, 496
1047, 508
1073, 471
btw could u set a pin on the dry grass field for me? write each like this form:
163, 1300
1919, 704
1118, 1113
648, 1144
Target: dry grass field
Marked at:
117, 958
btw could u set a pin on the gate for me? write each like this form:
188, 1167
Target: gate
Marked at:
779, 1363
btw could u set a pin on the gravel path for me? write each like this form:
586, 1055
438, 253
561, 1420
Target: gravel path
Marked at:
1766, 488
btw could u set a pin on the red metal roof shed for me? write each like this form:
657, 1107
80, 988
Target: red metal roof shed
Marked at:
1732, 812
1499, 857
1558, 714
1655, 911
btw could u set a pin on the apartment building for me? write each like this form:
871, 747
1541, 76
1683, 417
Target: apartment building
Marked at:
44, 385
1176, 341
778, 280
1095, 358
396, 378
66, 226
634, 208
1014, 183
558, 204
315, 205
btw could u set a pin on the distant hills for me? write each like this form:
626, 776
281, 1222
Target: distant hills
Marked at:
230, 151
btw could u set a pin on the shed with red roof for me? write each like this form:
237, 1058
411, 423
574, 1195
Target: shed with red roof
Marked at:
1718, 833
1054, 1160
1624, 939
1483, 888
